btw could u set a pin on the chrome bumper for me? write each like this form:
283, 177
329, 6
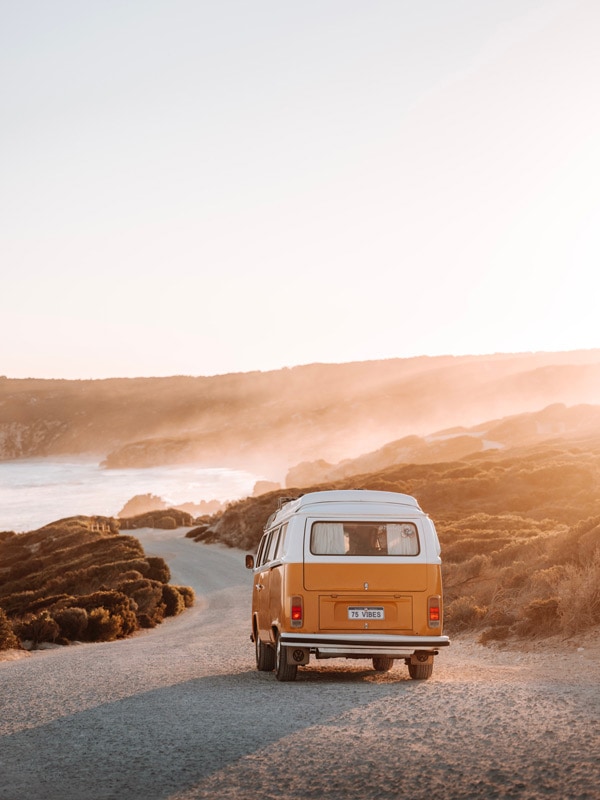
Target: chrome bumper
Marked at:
363, 645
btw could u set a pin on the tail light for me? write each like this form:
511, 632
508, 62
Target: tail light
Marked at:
434, 611
297, 612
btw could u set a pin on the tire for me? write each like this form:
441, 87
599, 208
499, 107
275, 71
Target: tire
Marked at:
382, 663
283, 670
265, 655
420, 672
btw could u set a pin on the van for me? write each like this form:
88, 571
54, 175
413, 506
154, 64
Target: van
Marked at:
347, 574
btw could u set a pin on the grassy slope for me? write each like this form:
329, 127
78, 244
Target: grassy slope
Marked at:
520, 534
80, 579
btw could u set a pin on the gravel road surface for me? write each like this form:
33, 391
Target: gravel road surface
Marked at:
180, 712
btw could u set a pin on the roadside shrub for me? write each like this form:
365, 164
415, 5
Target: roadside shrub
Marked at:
72, 622
173, 600
579, 596
117, 605
148, 598
159, 570
37, 628
147, 621
466, 571
515, 576
463, 613
544, 582
188, 594
103, 626
539, 617
8, 638
579, 545
73, 567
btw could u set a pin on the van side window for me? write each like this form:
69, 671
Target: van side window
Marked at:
364, 539
272, 545
262, 549
280, 552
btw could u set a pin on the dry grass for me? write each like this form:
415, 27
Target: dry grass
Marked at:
553, 588
520, 535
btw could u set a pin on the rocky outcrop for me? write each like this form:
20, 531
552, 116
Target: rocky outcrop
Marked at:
142, 504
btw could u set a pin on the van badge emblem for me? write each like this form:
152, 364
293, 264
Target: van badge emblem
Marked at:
366, 587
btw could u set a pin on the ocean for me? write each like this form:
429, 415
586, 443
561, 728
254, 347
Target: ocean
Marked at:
34, 492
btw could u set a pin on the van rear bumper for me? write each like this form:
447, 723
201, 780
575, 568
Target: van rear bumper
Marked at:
364, 645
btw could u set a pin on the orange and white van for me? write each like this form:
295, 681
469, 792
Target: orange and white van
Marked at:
347, 574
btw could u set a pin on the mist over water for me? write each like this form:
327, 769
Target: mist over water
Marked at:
34, 492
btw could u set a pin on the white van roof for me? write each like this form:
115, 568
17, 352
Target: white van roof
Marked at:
312, 500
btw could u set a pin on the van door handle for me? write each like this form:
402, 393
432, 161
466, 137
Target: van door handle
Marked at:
259, 586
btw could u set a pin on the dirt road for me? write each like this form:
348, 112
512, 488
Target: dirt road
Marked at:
180, 713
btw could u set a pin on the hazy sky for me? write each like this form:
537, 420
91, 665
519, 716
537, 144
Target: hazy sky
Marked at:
199, 187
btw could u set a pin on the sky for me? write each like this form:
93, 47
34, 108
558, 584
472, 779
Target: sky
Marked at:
195, 188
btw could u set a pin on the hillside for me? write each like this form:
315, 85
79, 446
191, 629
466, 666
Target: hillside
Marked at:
557, 422
520, 533
79, 579
271, 421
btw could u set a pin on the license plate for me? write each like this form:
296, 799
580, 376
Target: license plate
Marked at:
366, 612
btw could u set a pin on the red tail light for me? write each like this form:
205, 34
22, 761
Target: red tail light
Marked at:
434, 613
297, 611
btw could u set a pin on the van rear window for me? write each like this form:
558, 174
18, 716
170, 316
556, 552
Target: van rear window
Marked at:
364, 539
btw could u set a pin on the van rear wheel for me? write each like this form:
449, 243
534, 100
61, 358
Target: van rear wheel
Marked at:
265, 655
420, 672
382, 663
284, 671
